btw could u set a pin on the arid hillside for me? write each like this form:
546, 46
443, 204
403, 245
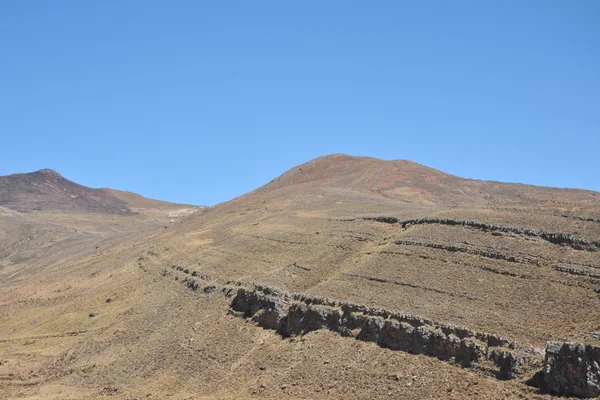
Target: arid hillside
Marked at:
345, 277
46, 218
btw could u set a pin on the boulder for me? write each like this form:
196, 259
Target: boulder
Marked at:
572, 369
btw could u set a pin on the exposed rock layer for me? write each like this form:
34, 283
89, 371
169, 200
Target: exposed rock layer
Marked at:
572, 369
295, 313
568, 368
559, 238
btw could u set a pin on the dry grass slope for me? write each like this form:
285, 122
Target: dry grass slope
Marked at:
86, 312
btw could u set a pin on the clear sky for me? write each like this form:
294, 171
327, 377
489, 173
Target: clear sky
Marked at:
202, 101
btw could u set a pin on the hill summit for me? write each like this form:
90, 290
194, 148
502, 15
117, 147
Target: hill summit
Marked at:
46, 189
408, 182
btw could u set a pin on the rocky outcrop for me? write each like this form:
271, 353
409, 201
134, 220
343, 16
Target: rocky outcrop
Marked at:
559, 238
576, 271
263, 308
387, 220
568, 368
512, 364
572, 369
594, 335
407, 284
462, 249
296, 314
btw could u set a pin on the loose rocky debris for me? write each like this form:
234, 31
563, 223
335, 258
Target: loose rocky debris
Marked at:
568, 368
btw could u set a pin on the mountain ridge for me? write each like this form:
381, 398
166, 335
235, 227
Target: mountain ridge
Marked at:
46, 189
412, 182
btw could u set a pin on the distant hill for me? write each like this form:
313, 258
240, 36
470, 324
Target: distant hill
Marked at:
48, 190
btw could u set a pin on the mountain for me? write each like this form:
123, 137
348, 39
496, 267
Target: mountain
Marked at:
345, 277
48, 221
48, 190
407, 181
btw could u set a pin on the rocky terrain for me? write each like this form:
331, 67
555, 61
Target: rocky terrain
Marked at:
345, 277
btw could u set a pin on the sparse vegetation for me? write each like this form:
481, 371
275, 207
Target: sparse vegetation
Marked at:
381, 239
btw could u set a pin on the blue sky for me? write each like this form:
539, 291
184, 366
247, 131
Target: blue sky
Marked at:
199, 102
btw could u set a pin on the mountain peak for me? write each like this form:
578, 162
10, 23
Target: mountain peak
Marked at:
49, 172
46, 189
366, 174
46, 173
403, 180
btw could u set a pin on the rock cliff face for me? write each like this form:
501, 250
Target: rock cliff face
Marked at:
568, 368
294, 314
572, 369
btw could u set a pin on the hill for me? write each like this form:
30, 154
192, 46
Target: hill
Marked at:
345, 277
407, 181
48, 190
